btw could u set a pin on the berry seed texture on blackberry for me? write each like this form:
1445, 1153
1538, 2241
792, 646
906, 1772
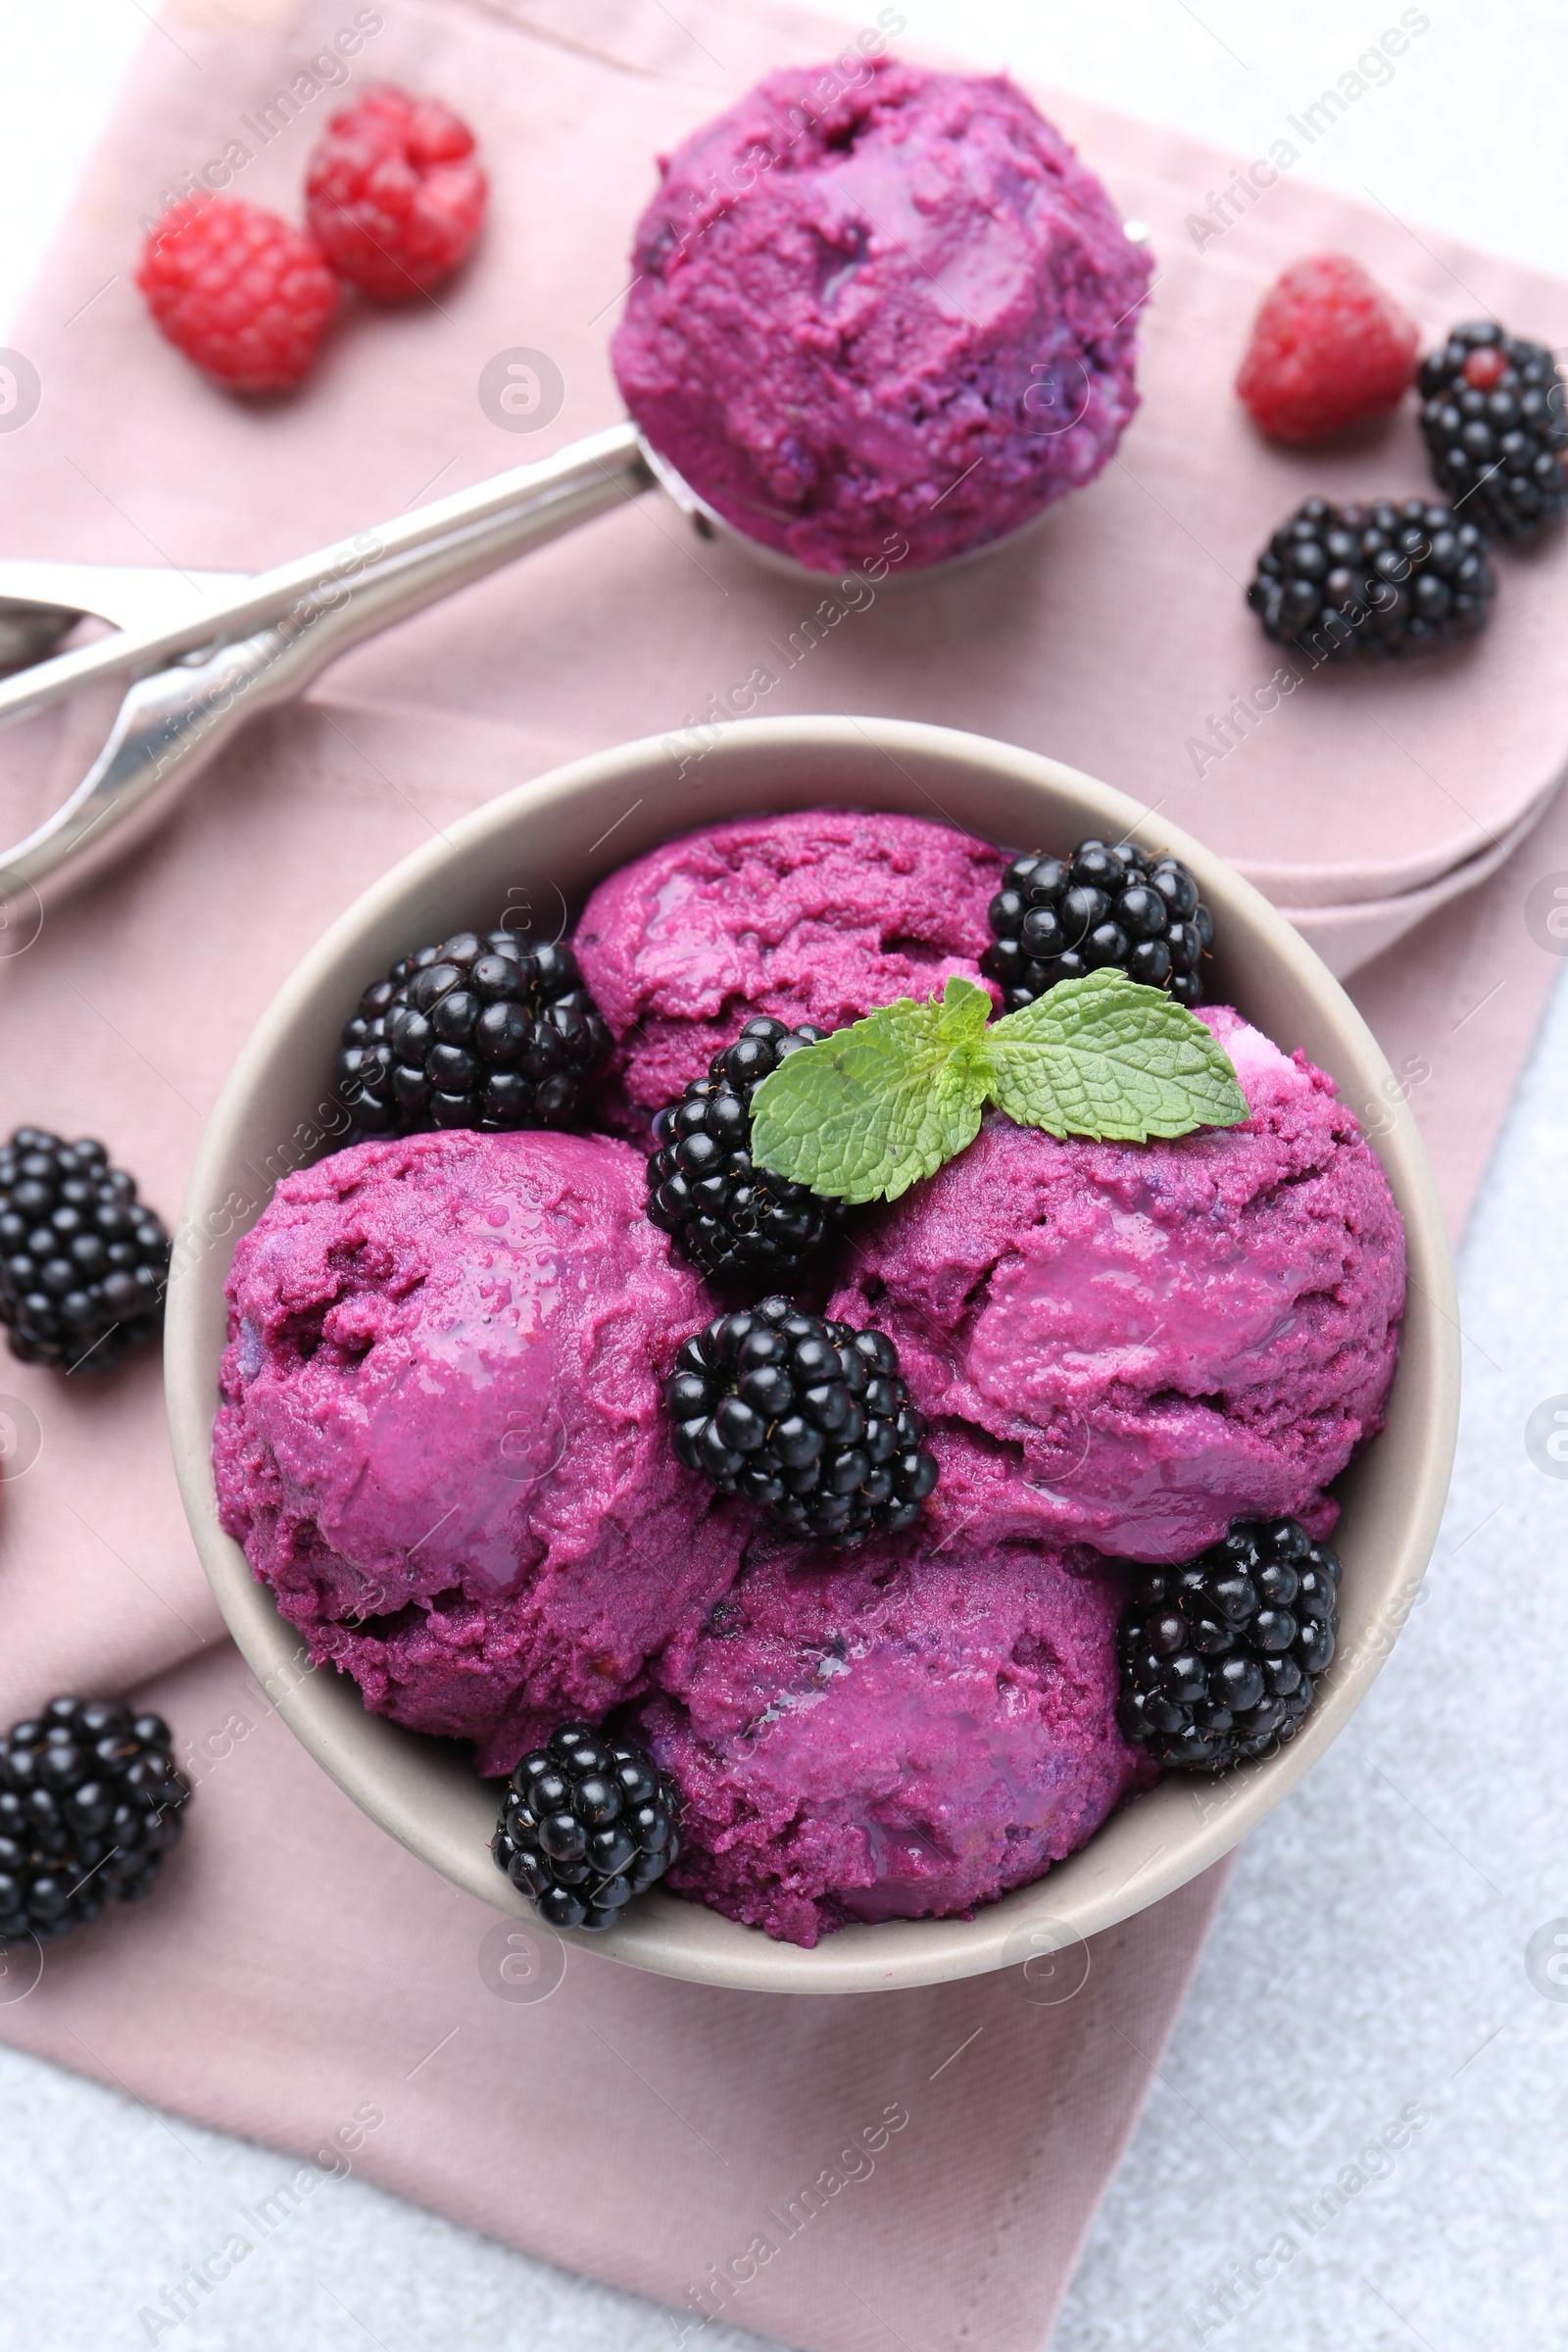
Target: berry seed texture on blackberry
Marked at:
1100, 906
477, 1032
1373, 583
587, 1824
1220, 1654
735, 1222
808, 1419
83, 1263
90, 1803
1495, 426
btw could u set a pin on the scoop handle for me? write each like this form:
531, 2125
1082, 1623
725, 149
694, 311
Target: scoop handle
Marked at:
275, 635
585, 478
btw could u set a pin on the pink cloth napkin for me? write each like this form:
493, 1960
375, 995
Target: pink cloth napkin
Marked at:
297, 1966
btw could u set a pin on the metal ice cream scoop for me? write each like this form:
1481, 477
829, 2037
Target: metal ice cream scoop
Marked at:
206, 651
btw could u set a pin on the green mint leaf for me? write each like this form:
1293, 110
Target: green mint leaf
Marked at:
1107, 1058
877, 1106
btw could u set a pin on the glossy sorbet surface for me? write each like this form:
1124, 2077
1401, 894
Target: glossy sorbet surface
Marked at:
818, 915
881, 318
441, 1441
899, 1737
1131, 1346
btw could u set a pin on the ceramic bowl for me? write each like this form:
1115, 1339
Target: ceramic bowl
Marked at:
546, 844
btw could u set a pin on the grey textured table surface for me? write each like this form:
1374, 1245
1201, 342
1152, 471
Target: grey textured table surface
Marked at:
1383, 1953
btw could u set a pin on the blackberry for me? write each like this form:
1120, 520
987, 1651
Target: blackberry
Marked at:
733, 1221
1219, 1654
474, 1033
1493, 419
83, 1263
1377, 583
808, 1418
586, 1824
1056, 918
89, 1805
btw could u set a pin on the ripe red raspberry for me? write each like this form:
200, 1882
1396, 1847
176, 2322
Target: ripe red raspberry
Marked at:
238, 291
394, 193
1329, 348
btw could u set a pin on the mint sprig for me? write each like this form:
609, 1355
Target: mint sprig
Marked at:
1105, 1056
884, 1102
870, 1110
